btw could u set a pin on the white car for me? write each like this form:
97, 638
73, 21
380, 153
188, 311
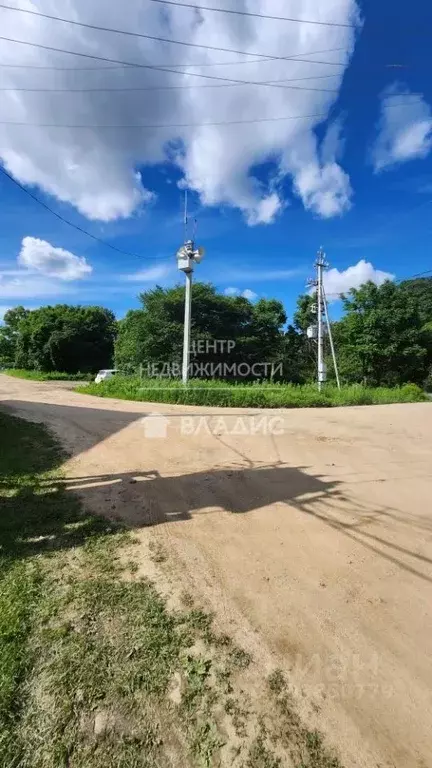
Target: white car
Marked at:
106, 373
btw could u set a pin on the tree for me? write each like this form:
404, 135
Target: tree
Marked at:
154, 334
65, 338
299, 361
304, 315
419, 291
379, 339
9, 334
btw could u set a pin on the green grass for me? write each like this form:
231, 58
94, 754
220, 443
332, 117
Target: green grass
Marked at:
90, 654
20, 373
264, 395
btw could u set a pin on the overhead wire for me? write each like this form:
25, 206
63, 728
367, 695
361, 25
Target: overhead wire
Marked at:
238, 62
146, 66
169, 87
254, 15
141, 35
155, 126
123, 64
230, 83
70, 223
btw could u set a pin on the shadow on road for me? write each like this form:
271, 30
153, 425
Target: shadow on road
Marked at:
78, 427
139, 499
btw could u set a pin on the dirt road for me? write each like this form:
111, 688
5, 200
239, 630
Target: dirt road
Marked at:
313, 545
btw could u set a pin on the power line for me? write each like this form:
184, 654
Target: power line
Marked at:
70, 223
155, 126
158, 39
169, 125
255, 15
180, 87
229, 84
144, 66
237, 63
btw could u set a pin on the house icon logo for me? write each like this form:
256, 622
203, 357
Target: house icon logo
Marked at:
155, 425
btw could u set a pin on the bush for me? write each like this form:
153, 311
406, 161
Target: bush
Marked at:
263, 395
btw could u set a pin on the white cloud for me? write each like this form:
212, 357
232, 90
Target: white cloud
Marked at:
151, 274
96, 170
319, 180
40, 256
44, 272
266, 210
248, 294
324, 190
336, 282
29, 286
404, 130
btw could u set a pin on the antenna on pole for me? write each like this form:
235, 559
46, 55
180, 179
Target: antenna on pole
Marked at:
185, 218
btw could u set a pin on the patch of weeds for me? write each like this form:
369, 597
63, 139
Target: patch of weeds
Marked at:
238, 658
200, 621
187, 599
317, 755
306, 747
158, 552
206, 742
276, 681
223, 677
238, 715
260, 756
197, 671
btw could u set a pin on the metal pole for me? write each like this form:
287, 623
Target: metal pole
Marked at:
331, 339
187, 327
319, 265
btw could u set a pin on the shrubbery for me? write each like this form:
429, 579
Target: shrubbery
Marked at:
20, 373
263, 395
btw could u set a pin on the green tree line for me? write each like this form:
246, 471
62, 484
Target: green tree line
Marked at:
384, 336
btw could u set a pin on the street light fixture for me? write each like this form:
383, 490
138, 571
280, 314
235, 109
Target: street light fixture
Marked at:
187, 257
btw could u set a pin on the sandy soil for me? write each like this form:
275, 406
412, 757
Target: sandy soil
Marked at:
312, 546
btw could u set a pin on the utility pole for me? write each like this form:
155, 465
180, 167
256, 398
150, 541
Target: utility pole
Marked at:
320, 264
187, 257
317, 331
187, 326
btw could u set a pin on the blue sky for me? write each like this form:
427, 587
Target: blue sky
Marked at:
358, 182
